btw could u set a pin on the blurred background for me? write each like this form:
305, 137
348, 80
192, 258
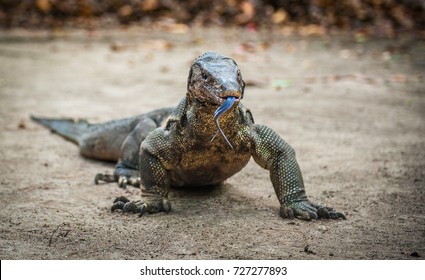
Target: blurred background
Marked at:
384, 18
341, 80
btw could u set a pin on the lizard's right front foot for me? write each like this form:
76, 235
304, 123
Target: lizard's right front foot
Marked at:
140, 207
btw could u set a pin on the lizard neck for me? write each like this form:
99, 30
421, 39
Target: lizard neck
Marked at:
200, 118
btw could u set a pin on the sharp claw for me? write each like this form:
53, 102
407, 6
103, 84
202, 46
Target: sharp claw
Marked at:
341, 215
119, 205
130, 207
286, 213
135, 182
323, 213
138, 207
166, 205
127, 207
122, 182
305, 216
142, 209
104, 178
121, 199
330, 213
313, 215
97, 178
332, 216
302, 214
306, 210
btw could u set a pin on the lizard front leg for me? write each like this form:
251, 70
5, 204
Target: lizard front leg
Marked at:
273, 153
154, 179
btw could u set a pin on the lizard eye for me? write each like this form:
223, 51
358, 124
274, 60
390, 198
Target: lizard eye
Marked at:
205, 76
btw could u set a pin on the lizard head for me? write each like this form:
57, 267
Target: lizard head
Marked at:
213, 78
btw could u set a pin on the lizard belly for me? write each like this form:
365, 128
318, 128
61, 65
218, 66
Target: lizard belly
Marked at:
208, 166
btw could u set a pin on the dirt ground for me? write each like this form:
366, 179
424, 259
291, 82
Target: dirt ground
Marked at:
353, 111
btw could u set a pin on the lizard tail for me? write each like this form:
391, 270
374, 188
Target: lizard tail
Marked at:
68, 128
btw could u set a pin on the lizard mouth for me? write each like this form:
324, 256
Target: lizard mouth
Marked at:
222, 98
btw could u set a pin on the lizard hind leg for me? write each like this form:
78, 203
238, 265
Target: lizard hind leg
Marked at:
127, 170
123, 175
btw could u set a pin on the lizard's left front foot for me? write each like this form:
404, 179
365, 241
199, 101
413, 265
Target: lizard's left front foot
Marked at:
306, 210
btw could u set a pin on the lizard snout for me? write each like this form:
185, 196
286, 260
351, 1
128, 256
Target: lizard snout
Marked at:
230, 88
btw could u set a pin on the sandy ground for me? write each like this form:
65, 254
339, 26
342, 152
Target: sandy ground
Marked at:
354, 112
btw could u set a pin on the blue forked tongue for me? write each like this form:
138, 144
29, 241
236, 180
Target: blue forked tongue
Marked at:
220, 111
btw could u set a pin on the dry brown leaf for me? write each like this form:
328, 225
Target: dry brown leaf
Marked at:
280, 16
125, 11
248, 12
248, 9
197, 41
178, 28
312, 29
263, 46
44, 6
149, 5
248, 47
399, 78
118, 47
22, 124
159, 44
399, 13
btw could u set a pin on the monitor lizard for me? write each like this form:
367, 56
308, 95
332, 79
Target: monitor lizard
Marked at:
203, 141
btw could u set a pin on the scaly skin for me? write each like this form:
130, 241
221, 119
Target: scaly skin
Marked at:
181, 153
